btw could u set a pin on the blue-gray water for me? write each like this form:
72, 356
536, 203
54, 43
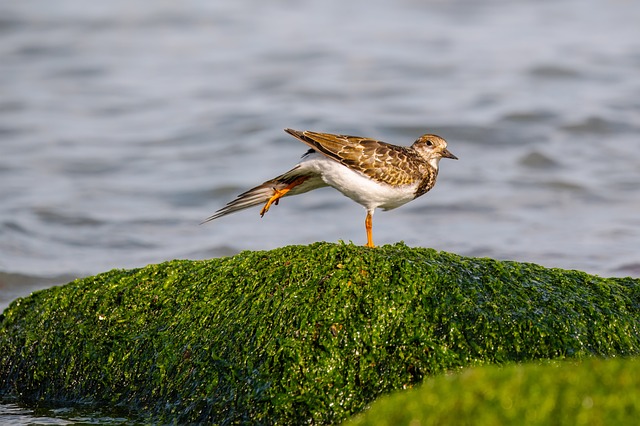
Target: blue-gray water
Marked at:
123, 124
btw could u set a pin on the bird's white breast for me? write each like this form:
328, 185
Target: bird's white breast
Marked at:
356, 186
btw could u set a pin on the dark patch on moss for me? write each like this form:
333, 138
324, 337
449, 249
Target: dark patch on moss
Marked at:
302, 333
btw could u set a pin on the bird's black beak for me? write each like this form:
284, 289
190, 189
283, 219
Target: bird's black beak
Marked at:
447, 154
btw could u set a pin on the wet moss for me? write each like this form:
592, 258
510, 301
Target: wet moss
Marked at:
302, 333
590, 393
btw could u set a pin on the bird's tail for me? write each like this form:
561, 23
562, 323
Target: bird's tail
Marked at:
259, 195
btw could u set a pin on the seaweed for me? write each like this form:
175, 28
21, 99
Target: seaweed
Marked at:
300, 334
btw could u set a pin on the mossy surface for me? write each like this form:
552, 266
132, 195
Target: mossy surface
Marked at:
589, 393
302, 333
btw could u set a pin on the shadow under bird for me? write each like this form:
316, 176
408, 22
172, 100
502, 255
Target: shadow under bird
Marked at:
370, 172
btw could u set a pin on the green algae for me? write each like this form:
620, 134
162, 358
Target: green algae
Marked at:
302, 333
591, 392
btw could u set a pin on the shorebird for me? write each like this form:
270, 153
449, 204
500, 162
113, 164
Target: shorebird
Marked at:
370, 172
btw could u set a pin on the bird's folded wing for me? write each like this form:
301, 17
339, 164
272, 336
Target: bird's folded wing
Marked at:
377, 160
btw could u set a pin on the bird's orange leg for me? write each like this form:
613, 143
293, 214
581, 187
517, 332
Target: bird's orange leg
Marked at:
279, 193
368, 224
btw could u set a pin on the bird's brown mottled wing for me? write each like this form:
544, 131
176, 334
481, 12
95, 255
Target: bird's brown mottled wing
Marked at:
378, 160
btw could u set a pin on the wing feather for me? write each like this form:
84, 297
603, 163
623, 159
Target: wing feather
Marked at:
260, 194
381, 161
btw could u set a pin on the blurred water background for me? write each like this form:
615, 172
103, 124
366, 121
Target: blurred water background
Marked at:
124, 124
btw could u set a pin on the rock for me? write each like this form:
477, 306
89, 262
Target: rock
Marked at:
299, 334
592, 392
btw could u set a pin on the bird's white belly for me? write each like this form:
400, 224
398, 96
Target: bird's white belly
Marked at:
356, 186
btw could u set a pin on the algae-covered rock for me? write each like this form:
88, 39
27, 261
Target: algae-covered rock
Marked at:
596, 392
302, 333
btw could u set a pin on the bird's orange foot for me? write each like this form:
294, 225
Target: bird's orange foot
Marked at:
273, 200
279, 193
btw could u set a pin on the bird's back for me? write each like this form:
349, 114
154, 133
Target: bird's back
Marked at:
383, 162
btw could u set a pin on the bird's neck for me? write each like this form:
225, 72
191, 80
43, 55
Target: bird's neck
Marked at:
433, 162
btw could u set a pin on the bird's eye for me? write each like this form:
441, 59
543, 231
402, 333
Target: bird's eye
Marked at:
429, 143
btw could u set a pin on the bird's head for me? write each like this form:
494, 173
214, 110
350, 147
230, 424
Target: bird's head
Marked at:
432, 148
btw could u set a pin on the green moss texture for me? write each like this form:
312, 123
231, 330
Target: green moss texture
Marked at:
300, 334
595, 392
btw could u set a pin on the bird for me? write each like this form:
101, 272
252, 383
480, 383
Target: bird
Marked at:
372, 173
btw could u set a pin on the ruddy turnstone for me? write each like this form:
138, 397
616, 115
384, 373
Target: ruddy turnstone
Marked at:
370, 172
